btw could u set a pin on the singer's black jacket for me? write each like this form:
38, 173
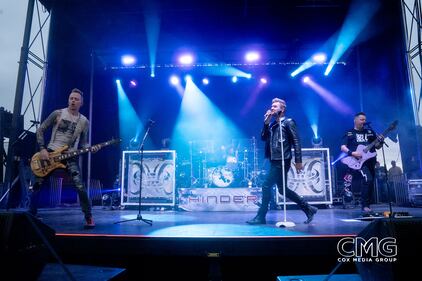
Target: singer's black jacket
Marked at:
271, 135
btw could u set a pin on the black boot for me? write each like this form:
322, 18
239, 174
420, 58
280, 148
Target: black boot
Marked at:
258, 219
310, 211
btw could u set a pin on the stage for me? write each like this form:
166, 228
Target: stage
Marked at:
328, 222
206, 245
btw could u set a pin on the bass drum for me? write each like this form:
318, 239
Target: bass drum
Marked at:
221, 177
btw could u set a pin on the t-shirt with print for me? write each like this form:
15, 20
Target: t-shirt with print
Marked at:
67, 129
352, 138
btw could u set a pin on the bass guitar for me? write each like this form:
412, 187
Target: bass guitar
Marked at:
365, 151
42, 168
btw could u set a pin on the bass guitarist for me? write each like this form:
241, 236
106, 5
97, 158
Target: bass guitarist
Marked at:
364, 176
69, 128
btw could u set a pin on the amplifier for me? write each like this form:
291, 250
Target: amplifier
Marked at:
415, 192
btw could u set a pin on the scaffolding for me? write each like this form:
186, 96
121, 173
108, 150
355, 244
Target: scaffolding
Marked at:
29, 86
411, 10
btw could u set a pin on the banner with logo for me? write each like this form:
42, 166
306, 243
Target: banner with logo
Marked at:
314, 182
158, 178
219, 199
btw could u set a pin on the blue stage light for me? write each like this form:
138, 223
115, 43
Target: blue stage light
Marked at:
252, 56
319, 58
188, 77
174, 80
128, 60
186, 59
263, 80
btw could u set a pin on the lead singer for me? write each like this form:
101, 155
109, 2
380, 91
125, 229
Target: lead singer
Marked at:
271, 135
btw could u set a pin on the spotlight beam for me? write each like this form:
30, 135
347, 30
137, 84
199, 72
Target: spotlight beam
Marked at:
152, 29
361, 12
330, 98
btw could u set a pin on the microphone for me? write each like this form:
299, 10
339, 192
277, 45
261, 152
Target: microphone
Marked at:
267, 116
366, 123
151, 122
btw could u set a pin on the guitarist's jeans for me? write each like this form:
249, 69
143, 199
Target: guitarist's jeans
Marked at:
275, 176
73, 171
365, 180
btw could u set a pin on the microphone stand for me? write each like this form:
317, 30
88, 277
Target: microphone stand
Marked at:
284, 223
386, 173
390, 205
141, 152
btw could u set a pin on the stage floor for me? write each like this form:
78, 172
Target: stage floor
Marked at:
327, 222
207, 245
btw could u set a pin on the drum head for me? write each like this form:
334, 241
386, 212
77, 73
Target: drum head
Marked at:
222, 177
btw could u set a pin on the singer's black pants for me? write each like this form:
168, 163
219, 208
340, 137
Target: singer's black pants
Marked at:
275, 176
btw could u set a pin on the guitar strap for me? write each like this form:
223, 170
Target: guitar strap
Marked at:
58, 119
363, 175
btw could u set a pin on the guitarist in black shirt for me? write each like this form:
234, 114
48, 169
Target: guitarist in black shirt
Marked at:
363, 170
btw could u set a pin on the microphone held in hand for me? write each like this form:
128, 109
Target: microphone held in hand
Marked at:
267, 116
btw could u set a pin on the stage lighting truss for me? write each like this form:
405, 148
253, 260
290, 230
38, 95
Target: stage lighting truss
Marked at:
214, 64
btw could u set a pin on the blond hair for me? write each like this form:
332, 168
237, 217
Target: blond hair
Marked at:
282, 102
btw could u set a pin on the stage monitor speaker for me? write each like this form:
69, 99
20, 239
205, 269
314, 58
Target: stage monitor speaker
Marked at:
23, 245
407, 232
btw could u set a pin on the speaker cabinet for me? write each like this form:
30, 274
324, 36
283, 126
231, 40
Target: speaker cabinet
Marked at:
23, 245
407, 232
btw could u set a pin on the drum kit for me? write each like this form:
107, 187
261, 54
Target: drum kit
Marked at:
219, 164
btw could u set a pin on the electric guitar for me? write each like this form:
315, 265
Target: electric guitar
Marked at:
42, 168
355, 163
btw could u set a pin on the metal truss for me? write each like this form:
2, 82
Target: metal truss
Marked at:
411, 10
30, 83
36, 75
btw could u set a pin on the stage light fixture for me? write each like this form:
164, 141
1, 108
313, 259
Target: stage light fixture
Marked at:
205, 81
188, 78
128, 60
328, 70
234, 79
319, 58
174, 80
252, 56
263, 80
111, 199
306, 79
316, 141
133, 83
186, 59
